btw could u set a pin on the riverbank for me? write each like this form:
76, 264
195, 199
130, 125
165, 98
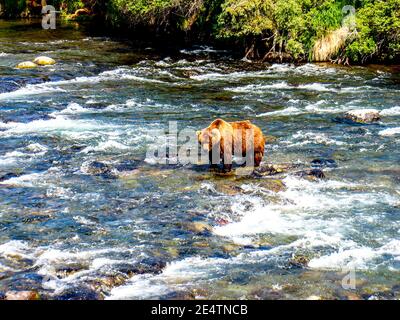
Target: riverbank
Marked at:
343, 32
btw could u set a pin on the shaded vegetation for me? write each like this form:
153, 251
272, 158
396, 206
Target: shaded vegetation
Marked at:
298, 30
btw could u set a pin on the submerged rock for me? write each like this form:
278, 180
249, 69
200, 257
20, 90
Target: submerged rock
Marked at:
229, 189
363, 116
274, 185
266, 294
79, 293
312, 175
26, 65
198, 227
321, 163
272, 169
44, 61
299, 261
96, 168
9, 176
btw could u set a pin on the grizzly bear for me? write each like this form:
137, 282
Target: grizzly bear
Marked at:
223, 139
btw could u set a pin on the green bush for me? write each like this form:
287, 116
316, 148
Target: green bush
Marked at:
257, 26
378, 38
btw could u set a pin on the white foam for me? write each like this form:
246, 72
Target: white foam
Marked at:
72, 108
3, 54
26, 180
30, 89
36, 148
106, 146
15, 248
176, 276
315, 213
356, 258
283, 112
58, 124
202, 49
390, 132
55, 86
395, 111
262, 88
302, 138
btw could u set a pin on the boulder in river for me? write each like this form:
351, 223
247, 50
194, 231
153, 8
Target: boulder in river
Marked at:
96, 168
26, 65
22, 295
363, 115
44, 61
313, 174
198, 227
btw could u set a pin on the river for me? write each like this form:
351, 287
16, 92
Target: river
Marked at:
85, 215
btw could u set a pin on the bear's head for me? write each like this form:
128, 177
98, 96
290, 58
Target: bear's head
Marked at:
208, 138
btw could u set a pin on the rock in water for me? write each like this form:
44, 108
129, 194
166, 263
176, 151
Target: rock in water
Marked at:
22, 295
26, 65
364, 116
44, 61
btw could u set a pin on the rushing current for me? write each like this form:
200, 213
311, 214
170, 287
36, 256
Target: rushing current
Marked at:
84, 214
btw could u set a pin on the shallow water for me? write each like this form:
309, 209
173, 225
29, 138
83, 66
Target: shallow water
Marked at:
140, 230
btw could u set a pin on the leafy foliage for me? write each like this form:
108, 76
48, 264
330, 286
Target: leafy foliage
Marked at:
378, 36
259, 27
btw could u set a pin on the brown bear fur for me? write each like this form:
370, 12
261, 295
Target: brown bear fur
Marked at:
228, 137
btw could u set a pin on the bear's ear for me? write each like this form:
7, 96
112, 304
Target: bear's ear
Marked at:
217, 122
198, 133
215, 136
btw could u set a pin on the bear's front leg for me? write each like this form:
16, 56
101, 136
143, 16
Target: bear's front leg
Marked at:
227, 160
258, 156
213, 162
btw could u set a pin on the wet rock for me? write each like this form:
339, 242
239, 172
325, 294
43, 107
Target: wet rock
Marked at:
66, 271
376, 289
363, 116
229, 189
221, 221
9, 176
180, 295
149, 265
198, 227
22, 295
96, 168
314, 174
173, 252
127, 165
270, 139
229, 248
79, 293
272, 169
272, 185
189, 73
323, 163
44, 61
26, 65
314, 297
201, 244
36, 218
299, 261
267, 294
105, 284
353, 296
